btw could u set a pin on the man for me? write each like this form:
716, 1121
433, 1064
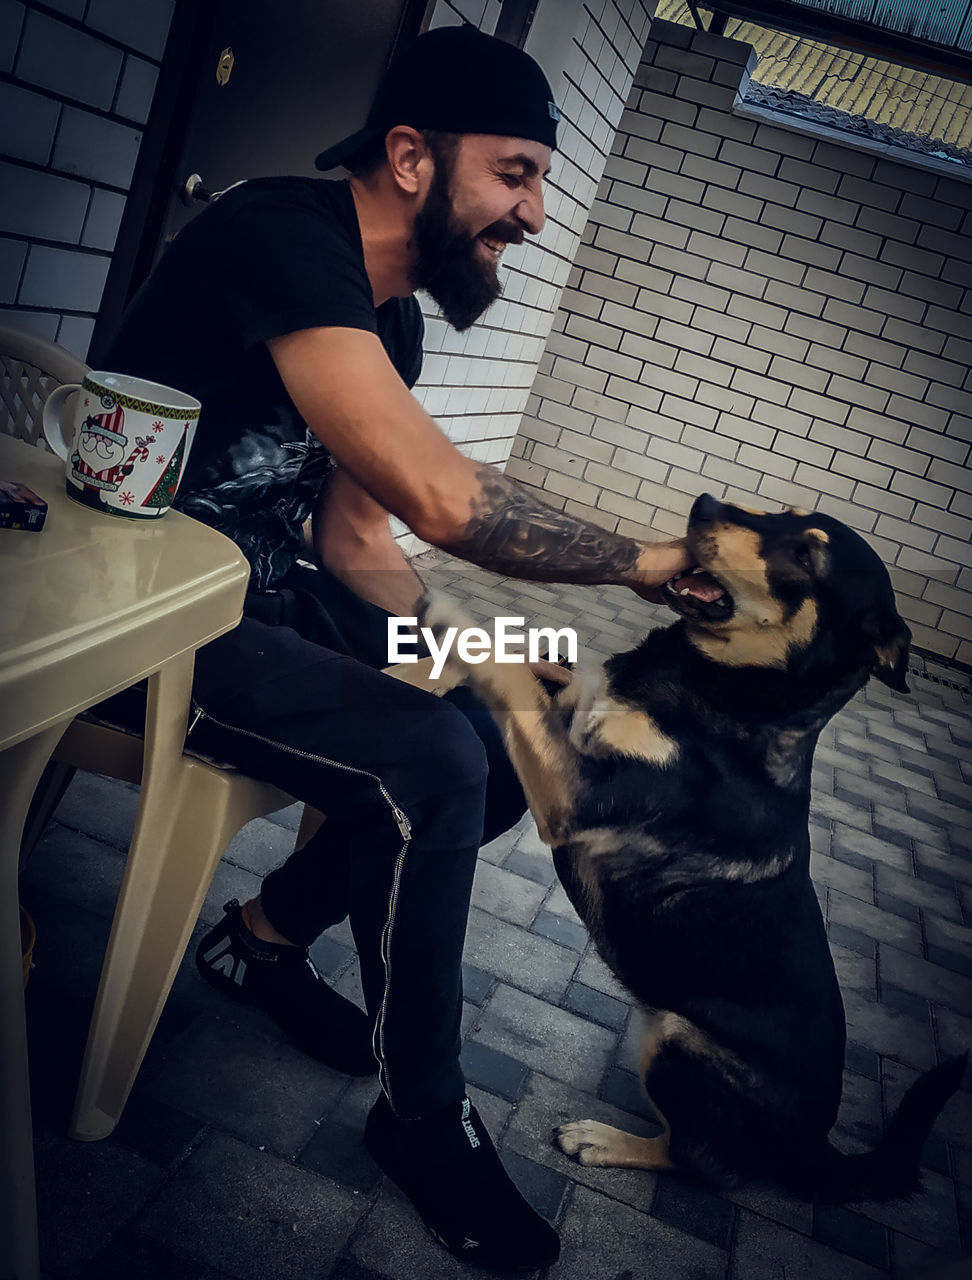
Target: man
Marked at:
288, 308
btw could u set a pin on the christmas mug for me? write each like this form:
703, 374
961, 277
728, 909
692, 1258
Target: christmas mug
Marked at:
126, 443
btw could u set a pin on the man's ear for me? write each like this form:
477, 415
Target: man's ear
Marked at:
409, 159
891, 639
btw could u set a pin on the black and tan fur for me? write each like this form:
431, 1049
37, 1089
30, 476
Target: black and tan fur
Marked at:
673, 785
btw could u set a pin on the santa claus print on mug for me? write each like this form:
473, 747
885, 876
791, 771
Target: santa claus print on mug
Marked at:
124, 442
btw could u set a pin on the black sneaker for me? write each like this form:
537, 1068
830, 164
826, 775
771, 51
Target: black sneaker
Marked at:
448, 1167
284, 982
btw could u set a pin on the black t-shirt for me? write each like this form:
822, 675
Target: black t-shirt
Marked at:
270, 257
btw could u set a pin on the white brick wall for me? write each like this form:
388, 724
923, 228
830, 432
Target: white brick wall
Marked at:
476, 384
795, 319
83, 77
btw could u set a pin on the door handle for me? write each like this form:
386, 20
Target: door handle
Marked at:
193, 191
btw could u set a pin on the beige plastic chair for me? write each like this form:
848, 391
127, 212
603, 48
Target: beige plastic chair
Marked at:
190, 809
30, 369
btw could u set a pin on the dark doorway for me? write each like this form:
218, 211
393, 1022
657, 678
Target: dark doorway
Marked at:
249, 88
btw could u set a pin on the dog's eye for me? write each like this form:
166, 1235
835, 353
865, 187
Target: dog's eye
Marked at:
802, 556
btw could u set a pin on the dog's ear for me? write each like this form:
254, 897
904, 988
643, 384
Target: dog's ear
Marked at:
818, 548
891, 639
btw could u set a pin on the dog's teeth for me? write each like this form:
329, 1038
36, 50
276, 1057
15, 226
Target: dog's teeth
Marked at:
697, 569
685, 592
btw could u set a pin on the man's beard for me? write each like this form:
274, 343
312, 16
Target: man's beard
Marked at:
448, 265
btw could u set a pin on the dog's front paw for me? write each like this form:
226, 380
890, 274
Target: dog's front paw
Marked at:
587, 1141
441, 621
439, 612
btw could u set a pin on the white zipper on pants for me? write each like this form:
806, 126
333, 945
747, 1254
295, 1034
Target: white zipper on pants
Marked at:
405, 830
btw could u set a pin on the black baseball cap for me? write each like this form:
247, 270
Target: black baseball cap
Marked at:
457, 80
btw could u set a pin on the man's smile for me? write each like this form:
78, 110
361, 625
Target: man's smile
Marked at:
495, 247
494, 241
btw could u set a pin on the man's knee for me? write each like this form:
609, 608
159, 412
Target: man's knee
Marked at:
449, 756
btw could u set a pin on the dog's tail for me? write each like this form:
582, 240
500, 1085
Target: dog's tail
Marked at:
891, 1170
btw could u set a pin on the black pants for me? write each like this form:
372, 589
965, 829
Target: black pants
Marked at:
411, 785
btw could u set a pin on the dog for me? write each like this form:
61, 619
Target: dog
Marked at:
673, 786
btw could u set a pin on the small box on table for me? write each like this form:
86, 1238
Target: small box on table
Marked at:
20, 507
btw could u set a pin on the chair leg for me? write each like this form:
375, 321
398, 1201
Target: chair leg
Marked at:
311, 821
55, 780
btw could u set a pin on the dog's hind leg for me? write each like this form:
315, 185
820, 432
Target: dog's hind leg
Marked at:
601, 1145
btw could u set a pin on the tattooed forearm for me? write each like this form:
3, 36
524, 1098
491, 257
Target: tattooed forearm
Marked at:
511, 532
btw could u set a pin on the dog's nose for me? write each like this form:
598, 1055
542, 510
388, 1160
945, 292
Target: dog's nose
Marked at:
705, 507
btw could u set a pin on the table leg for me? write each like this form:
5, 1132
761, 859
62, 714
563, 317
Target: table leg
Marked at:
188, 812
117, 1041
20, 769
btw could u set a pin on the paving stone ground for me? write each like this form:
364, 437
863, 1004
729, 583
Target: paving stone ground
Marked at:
239, 1158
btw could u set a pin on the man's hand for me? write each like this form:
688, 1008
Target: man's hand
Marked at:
656, 565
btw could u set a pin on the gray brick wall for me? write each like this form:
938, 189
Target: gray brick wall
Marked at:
772, 317
79, 80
